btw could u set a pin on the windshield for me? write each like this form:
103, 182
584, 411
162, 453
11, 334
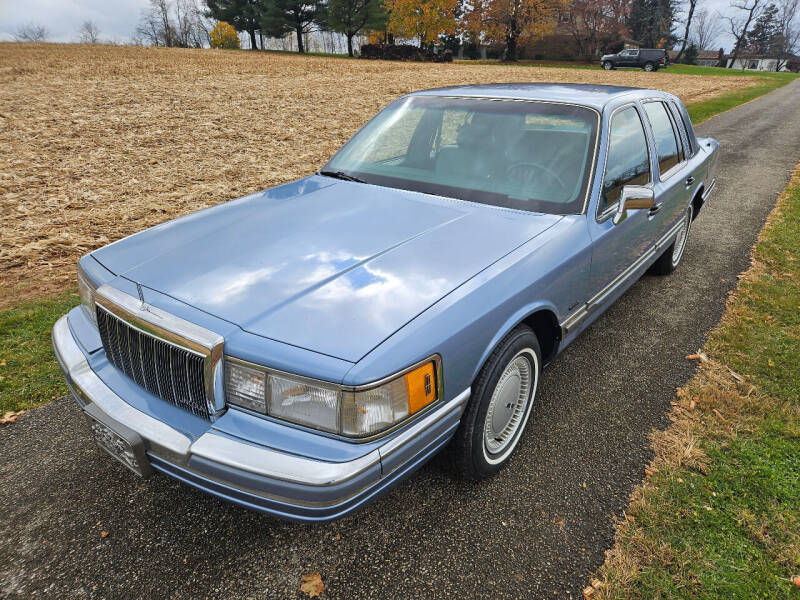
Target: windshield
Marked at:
516, 154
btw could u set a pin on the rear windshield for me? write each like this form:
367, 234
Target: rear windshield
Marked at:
532, 156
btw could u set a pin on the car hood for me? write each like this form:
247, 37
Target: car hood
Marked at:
330, 266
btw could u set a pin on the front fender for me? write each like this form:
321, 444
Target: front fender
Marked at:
515, 319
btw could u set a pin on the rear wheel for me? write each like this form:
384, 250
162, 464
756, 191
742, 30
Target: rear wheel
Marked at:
500, 405
607, 65
648, 66
671, 258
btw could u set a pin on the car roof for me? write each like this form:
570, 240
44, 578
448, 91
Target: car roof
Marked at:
584, 94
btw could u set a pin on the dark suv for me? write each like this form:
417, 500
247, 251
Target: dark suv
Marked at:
642, 58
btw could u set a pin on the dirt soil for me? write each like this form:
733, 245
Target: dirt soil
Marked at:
98, 142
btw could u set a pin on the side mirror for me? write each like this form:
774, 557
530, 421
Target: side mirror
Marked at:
632, 197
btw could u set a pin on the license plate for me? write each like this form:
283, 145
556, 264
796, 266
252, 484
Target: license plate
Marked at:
126, 447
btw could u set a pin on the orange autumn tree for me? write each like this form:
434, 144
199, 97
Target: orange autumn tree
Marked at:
421, 19
510, 22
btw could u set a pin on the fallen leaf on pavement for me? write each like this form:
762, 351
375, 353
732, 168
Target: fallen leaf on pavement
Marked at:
312, 585
10, 417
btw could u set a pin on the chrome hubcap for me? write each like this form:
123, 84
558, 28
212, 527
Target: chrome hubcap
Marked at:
509, 403
680, 239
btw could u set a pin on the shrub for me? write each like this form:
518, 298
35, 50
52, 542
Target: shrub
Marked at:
224, 36
403, 52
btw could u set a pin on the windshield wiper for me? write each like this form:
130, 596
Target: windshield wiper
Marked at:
341, 175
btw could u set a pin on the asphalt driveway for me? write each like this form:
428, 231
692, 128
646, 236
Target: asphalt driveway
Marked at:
73, 523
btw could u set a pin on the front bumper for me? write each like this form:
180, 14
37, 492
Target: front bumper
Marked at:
258, 477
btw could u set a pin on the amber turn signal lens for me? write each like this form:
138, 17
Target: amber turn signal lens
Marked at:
420, 387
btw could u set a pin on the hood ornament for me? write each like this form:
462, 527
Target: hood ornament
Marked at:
143, 305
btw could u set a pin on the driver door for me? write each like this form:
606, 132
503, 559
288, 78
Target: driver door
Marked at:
618, 249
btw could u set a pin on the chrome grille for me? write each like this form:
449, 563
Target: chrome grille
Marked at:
170, 372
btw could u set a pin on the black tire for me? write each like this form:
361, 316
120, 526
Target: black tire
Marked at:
471, 456
649, 66
670, 259
608, 65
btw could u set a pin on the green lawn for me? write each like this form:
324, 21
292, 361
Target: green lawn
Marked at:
29, 373
720, 518
700, 111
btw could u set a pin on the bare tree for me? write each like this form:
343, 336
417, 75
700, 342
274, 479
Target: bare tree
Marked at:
31, 32
89, 33
739, 26
707, 28
191, 30
689, 15
787, 41
173, 23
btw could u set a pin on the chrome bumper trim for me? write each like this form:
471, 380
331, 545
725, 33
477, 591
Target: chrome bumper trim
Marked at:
169, 444
278, 465
91, 389
423, 425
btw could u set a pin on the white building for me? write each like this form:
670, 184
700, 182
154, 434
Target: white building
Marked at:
757, 63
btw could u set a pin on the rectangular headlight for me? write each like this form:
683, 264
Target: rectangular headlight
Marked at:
354, 412
86, 292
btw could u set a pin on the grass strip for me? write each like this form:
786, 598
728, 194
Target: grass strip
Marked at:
29, 373
705, 109
718, 515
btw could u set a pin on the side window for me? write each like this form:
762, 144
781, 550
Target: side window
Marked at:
628, 161
667, 145
678, 117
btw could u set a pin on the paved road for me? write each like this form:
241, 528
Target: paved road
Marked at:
534, 531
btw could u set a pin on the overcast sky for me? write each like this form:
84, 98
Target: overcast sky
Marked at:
118, 18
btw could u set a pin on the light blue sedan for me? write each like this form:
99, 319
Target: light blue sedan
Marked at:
301, 350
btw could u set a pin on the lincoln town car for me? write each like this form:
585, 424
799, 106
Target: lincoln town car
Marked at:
303, 349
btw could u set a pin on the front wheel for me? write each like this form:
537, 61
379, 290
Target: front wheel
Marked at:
671, 258
607, 65
648, 66
500, 405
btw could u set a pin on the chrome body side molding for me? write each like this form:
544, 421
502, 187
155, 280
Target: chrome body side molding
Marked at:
571, 323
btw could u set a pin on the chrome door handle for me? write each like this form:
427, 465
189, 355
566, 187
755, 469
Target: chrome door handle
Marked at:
689, 181
656, 208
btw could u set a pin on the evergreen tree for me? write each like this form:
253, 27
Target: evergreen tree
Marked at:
651, 21
244, 15
280, 17
761, 39
690, 56
351, 16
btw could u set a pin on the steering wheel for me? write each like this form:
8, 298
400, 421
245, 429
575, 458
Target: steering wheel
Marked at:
543, 169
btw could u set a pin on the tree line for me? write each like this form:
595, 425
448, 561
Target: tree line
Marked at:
764, 27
